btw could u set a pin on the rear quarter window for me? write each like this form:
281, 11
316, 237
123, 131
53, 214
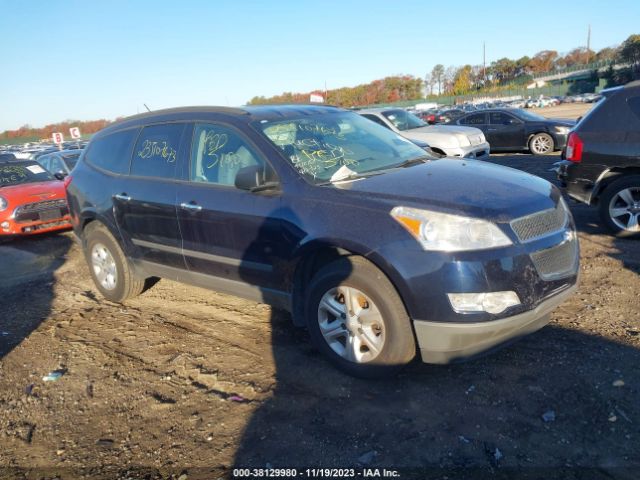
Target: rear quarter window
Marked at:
112, 152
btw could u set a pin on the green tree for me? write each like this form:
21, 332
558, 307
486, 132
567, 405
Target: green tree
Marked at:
503, 70
437, 74
630, 52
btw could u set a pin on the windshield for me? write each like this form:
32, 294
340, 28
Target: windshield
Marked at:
18, 173
403, 120
524, 115
319, 145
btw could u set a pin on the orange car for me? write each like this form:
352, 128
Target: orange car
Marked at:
31, 199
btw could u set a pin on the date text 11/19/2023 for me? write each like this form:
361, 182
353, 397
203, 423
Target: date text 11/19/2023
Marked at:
246, 473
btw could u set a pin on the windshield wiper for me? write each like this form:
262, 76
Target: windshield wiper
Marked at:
354, 176
413, 161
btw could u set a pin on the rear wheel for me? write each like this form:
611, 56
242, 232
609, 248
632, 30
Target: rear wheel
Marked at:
357, 319
541, 144
619, 206
108, 265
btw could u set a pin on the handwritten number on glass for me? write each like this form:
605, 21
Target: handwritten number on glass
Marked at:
158, 149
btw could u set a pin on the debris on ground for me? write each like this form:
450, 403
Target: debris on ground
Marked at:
54, 376
549, 416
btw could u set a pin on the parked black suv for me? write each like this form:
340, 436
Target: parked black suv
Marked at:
602, 165
370, 242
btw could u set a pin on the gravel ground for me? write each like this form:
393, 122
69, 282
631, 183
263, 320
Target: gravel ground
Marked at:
185, 381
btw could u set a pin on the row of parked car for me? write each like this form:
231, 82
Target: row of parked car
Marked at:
346, 219
476, 133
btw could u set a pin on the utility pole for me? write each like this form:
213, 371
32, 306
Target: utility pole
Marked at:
484, 64
589, 44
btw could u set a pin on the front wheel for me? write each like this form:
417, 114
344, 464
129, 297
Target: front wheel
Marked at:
541, 144
620, 206
357, 319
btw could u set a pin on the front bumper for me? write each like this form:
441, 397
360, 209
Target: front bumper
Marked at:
441, 342
479, 152
35, 227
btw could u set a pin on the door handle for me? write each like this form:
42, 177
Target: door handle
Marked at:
122, 196
191, 207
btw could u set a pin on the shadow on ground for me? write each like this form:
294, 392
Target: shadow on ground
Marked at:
26, 284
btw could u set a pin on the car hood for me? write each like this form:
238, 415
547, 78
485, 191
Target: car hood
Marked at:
34, 192
446, 135
465, 187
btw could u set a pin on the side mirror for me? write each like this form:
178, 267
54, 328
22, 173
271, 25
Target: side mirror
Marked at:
249, 178
60, 175
253, 178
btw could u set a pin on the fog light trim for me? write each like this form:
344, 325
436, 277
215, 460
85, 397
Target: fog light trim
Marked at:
490, 302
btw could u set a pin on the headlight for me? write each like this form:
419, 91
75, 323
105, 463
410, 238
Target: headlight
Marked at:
449, 233
464, 141
3, 204
563, 130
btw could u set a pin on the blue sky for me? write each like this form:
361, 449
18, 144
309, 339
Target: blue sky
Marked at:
102, 59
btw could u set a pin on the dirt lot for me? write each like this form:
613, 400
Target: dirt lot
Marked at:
187, 381
566, 110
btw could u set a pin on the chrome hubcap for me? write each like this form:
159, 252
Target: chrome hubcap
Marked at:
624, 209
351, 324
542, 144
104, 266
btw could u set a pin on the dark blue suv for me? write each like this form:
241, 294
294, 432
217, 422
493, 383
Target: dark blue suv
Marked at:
371, 243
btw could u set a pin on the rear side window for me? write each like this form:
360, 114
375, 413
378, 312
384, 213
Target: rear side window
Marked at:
112, 152
634, 105
476, 119
499, 118
156, 151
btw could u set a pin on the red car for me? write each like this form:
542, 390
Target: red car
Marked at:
31, 199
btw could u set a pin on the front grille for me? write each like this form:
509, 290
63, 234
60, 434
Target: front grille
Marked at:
45, 210
540, 224
44, 205
557, 262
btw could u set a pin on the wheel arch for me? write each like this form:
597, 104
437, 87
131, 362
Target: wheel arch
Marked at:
607, 177
311, 257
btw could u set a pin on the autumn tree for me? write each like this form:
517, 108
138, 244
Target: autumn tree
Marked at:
462, 80
607, 54
543, 61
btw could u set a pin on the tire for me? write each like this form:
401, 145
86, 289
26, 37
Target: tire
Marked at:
622, 194
382, 344
541, 144
108, 265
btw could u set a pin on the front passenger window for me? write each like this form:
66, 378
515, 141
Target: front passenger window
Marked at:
218, 153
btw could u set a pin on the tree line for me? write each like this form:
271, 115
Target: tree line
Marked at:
465, 79
26, 131
389, 89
